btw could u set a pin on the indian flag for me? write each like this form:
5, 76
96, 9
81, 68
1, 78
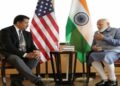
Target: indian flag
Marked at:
78, 29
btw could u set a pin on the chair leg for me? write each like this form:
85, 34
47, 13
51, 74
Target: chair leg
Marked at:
88, 73
3, 76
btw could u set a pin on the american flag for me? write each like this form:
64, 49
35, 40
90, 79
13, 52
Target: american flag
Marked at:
44, 29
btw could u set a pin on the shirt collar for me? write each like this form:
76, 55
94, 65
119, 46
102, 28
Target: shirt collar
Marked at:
17, 29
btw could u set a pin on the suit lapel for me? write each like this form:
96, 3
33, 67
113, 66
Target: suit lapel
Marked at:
17, 38
15, 35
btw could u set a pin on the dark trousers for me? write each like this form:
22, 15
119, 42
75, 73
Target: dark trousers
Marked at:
24, 67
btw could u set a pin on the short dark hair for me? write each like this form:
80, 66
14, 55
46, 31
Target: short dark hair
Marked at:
19, 18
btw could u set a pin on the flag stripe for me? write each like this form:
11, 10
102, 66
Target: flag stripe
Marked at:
48, 28
39, 38
78, 38
53, 22
43, 58
51, 27
83, 2
40, 47
42, 35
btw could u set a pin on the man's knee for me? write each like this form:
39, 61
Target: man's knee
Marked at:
110, 55
13, 58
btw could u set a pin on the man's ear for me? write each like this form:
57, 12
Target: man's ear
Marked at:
108, 23
17, 23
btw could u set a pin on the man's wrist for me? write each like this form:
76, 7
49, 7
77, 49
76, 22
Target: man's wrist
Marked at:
24, 56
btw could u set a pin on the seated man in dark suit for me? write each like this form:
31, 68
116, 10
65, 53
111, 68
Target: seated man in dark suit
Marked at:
106, 49
20, 51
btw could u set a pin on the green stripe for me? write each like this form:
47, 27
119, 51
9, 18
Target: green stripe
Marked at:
69, 28
76, 38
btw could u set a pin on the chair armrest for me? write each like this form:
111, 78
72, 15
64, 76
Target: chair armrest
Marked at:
2, 57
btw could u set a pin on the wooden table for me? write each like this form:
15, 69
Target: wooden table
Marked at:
57, 67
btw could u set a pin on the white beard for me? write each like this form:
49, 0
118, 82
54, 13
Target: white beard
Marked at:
102, 30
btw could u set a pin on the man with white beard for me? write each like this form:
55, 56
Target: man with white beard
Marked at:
106, 49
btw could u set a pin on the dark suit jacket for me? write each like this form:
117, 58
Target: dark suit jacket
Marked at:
10, 42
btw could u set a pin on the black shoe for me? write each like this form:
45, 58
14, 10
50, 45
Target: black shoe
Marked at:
16, 80
16, 83
112, 83
101, 83
40, 83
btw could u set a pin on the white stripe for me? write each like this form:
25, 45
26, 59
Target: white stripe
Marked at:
35, 45
53, 31
53, 16
44, 31
41, 41
39, 38
43, 57
51, 26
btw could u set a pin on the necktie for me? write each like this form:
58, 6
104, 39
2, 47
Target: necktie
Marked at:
21, 41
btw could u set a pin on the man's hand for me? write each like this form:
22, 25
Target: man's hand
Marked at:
96, 48
37, 53
30, 55
99, 36
34, 54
